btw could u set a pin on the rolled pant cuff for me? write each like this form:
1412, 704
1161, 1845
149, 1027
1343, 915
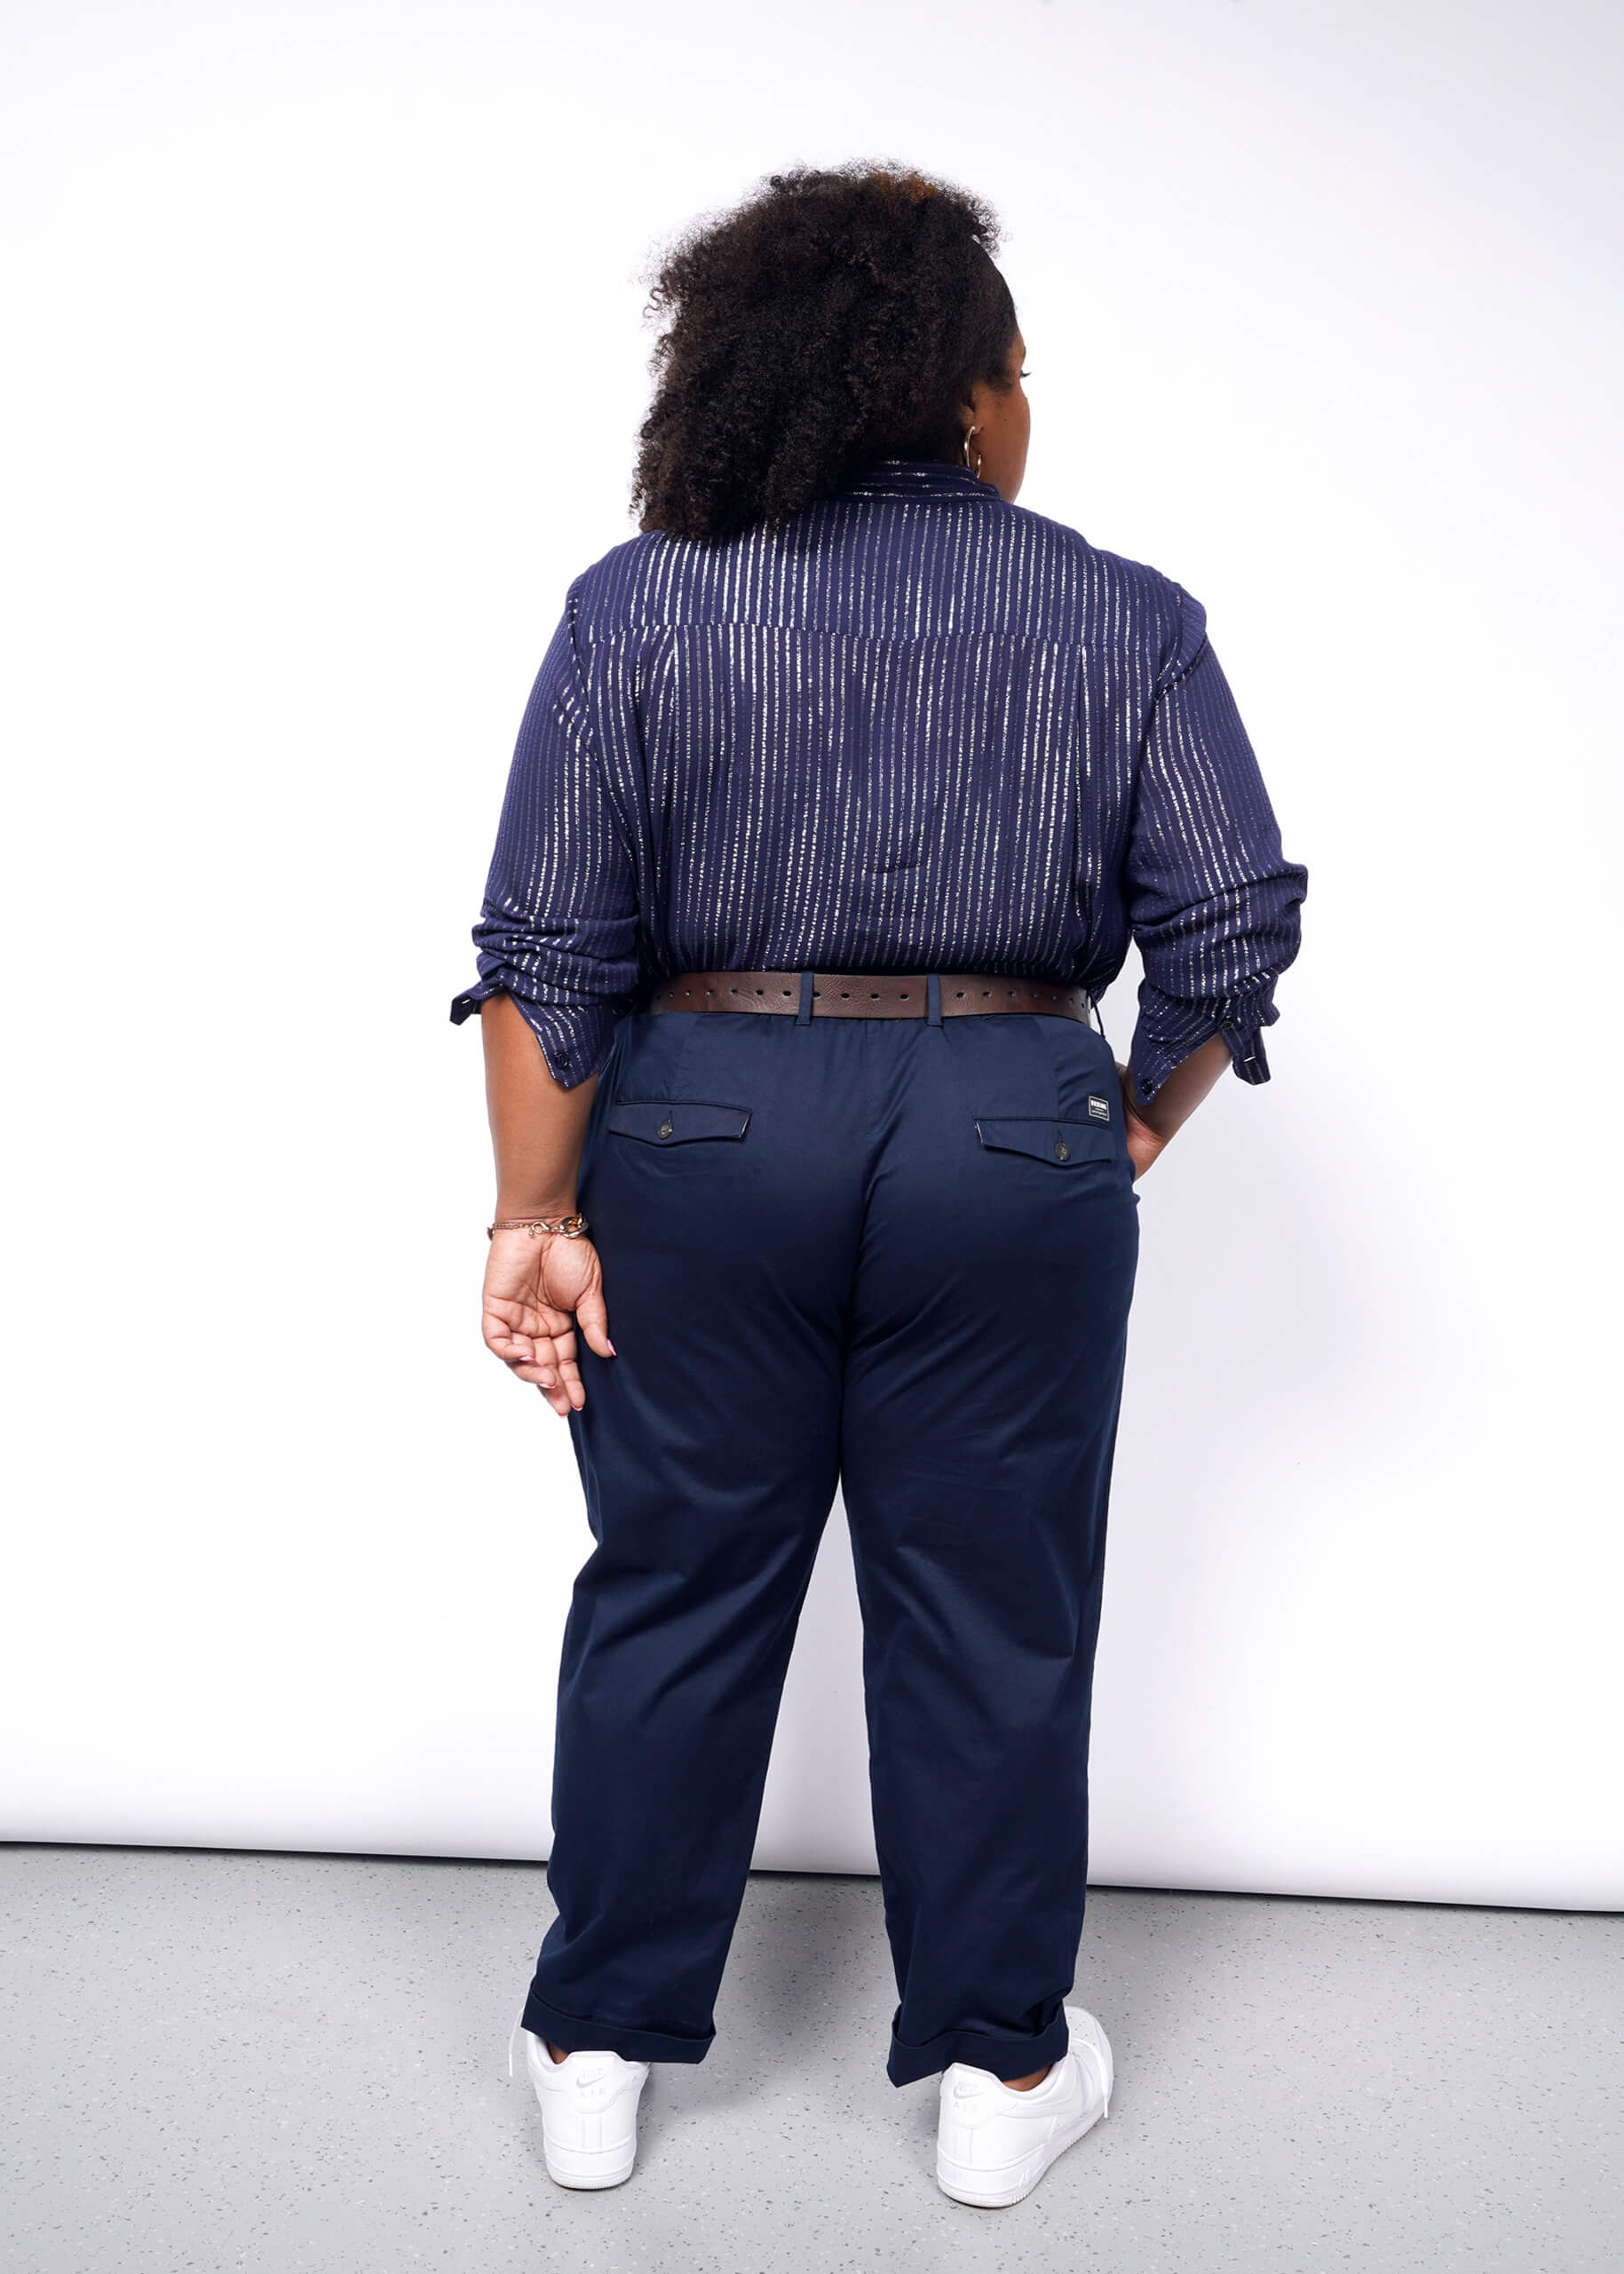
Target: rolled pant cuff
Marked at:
1005, 2056
575, 2033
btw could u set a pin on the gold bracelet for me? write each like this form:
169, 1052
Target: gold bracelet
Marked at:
571, 1227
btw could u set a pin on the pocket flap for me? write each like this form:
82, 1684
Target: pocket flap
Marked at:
663, 1123
1061, 1142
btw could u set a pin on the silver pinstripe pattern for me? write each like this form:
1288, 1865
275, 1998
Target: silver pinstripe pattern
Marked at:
918, 729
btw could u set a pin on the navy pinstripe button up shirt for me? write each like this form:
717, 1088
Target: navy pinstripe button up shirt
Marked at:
918, 729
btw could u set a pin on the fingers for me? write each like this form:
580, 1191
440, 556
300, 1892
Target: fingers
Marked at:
1144, 1151
571, 1387
536, 1343
547, 1362
547, 1370
511, 1347
592, 1319
554, 1387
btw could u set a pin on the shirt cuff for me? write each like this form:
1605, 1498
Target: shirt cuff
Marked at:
574, 1037
1169, 1031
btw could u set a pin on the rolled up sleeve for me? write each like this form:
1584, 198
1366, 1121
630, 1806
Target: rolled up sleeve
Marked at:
558, 928
1212, 902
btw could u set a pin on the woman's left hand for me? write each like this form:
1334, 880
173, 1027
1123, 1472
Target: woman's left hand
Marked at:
532, 1286
1148, 1134
1144, 1143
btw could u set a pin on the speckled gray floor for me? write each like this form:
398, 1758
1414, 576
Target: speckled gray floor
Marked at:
219, 2060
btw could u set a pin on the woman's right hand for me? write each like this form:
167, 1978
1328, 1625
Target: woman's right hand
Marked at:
533, 1284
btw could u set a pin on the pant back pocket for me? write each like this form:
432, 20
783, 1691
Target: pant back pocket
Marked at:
676, 1120
1062, 1141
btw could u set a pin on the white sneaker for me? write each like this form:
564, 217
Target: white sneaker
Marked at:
993, 2145
588, 2111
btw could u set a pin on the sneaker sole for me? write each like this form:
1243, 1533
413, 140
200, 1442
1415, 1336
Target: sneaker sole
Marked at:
570, 2173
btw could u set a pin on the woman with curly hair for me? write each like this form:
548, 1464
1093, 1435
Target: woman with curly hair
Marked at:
840, 792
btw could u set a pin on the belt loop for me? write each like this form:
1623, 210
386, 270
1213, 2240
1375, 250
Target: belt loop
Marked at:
802, 1017
933, 997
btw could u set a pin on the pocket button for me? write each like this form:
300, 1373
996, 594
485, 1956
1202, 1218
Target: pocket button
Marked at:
664, 1130
1063, 1152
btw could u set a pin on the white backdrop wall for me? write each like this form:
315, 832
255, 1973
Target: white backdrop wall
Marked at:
328, 366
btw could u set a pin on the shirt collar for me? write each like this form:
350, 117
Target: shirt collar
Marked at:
917, 477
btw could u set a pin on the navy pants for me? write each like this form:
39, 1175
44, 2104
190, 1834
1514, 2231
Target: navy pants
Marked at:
898, 1254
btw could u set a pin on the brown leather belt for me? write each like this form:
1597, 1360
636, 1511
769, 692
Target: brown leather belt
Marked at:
869, 995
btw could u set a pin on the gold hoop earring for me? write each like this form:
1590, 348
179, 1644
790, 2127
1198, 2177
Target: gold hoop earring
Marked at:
964, 452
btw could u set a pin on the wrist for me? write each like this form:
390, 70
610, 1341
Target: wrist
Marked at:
570, 1225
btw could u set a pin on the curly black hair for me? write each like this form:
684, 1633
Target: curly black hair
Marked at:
837, 316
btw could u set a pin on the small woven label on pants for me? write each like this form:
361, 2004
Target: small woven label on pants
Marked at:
1098, 1110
